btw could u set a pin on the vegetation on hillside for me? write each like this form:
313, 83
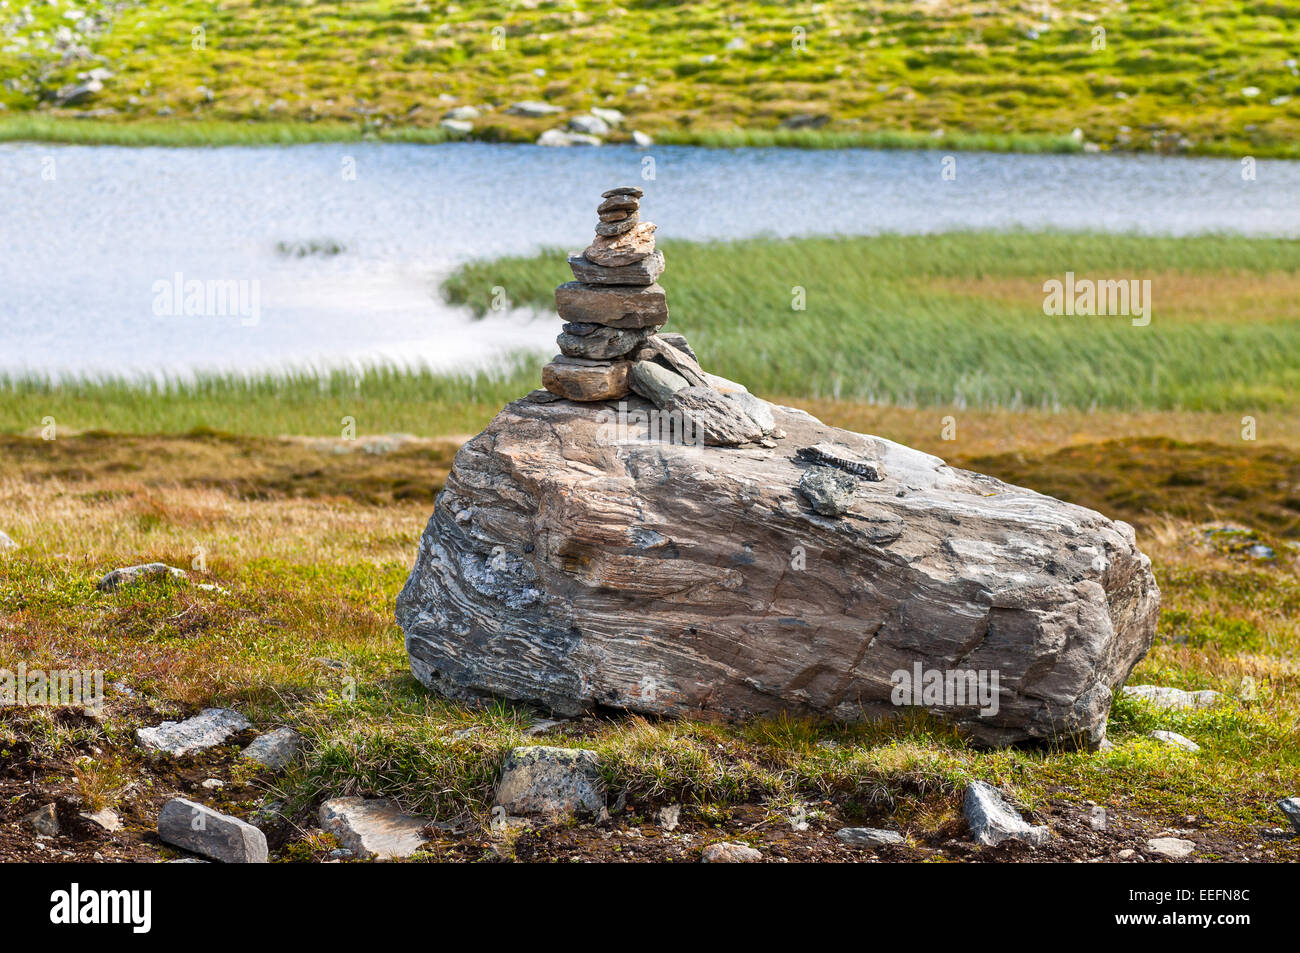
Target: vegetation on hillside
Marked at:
1215, 77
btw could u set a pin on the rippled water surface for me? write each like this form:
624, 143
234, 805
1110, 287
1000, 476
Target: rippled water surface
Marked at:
89, 232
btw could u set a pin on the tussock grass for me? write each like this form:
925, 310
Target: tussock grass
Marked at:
887, 320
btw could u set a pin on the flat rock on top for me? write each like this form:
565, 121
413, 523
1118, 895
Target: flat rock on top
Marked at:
210, 727
373, 828
657, 578
993, 820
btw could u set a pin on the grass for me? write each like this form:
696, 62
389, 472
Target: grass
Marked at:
957, 319
1214, 77
309, 571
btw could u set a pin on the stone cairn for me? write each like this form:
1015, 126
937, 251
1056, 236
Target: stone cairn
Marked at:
611, 347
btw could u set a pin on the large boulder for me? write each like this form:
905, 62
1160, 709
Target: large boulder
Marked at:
571, 563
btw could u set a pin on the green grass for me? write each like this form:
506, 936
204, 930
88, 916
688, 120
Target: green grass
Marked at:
957, 318
378, 400
1171, 76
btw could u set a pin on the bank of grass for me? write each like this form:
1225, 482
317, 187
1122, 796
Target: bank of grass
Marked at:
1213, 77
303, 635
958, 319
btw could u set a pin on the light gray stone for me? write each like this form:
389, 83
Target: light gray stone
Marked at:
993, 820
43, 820
563, 570
1174, 698
210, 727
105, 819
645, 271
551, 781
6, 542
373, 828
729, 853
199, 829
655, 382
716, 416
679, 341
641, 140
868, 837
1174, 739
461, 113
588, 125
461, 127
560, 138
129, 574
828, 491
669, 817
274, 749
1174, 848
1291, 808
533, 109
613, 117
756, 409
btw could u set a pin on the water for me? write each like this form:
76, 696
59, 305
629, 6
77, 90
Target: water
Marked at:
87, 233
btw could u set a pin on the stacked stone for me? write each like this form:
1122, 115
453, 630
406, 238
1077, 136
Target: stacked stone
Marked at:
611, 345
613, 307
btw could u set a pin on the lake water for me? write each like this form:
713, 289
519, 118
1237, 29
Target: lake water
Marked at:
91, 236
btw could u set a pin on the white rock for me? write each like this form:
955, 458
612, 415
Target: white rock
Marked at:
129, 574
669, 817
373, 828
210, 727
461, 113
275, 749
213, 784
1176, 740
6, 542
201, 830
1162, 697
867, 837
588, 125
1175, 848
641, 140
461, 127
533, 109
104, 819
992, 820
613, 117
558, 137
728, 853
551, 781
1291, 808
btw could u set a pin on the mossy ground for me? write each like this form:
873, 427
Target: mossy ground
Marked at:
312, 539
1213, 77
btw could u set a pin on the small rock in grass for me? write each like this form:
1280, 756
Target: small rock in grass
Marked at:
867, 837
6, 542
669, 817
551, 781
104, 819
212, 784
129, 574
729, 853
201, 830
992, 820
1175, 698
44, 820
275, 749
1176, 740
1291, 808
1175, 848
373, 828
210, 727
